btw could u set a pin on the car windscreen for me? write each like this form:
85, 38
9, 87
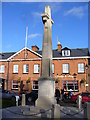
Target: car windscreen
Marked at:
85, 94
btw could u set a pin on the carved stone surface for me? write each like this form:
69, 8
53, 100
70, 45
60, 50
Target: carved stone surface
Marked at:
46, 91
46, 68
45, 106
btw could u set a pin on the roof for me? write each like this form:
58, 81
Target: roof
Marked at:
74, 52
78, 52
66, 48
6, 55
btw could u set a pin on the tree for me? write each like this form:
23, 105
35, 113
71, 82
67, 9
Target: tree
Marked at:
28, 81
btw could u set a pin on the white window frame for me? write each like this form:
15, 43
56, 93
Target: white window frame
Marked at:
65, 68
73, 82
36, 68
65, 52
81, 68
68, 52
53, 68
25, 68
2, 68
15, 68
33, 85
14, 84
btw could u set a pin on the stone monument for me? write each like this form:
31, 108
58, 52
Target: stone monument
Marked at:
46, 91
46, 103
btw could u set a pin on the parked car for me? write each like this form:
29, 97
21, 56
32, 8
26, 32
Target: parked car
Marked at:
5, 94
85, 97
31, 97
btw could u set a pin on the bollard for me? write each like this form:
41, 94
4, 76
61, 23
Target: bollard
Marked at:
57, 111
52, 111
43, 113
87, 111
23, 100
17, 97
79, 101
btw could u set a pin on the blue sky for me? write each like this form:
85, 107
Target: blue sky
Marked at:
70, 24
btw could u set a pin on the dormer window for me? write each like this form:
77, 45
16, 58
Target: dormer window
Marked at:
65, 52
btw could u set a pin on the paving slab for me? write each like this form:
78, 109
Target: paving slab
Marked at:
17, 112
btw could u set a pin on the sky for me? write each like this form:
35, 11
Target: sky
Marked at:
70, 24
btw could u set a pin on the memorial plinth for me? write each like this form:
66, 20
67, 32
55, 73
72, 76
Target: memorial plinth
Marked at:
46, 91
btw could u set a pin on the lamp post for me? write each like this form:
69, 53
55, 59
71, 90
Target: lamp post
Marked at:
86, 75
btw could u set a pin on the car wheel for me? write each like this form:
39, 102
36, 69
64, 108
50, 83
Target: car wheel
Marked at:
13, 98
76, 101
29, 99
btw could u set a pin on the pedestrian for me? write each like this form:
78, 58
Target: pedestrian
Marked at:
57, 95
71, 93
62, 93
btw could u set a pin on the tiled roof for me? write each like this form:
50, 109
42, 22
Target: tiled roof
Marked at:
6, 55
56, 54
74, 52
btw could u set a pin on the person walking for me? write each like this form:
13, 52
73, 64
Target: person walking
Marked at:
57, 95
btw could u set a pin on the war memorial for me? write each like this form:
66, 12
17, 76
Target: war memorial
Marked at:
45, 106
46, 96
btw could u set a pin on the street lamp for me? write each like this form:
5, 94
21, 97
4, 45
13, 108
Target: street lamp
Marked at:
86, 75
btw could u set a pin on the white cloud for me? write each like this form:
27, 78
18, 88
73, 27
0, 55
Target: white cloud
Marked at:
33, 35
37, 14
76, 11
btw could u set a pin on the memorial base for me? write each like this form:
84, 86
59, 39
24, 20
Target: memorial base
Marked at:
45, 105
38, 112
46, 93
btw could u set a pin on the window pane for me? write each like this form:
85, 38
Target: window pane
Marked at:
15, 68
63, 53
52, 68
68, 52
36, 68
2, 69
35, 85
27, 68
81, 68
70, 85
14, 84
65, 68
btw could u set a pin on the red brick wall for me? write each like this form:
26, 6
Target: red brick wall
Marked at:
73, 68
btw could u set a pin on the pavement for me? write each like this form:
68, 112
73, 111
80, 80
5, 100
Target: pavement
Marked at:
17, 112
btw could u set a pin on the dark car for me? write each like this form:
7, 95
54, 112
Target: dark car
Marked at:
31, 97
85, 97
5, 94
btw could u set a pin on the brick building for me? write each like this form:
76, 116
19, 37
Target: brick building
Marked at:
24, 66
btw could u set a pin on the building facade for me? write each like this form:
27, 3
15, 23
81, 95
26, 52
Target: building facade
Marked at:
24, 66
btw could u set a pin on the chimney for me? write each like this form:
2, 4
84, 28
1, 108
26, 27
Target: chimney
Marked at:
59, 46
35, 48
